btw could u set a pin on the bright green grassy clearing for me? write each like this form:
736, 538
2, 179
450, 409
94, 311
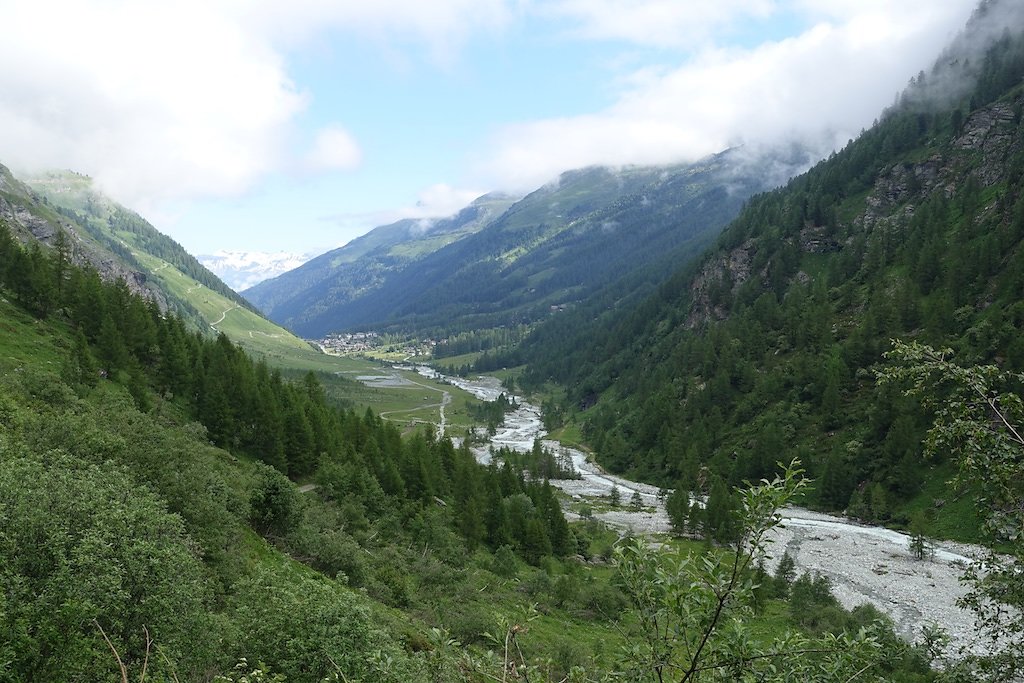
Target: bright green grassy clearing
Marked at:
456, 361
25, 341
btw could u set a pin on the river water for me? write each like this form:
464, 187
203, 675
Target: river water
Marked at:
864, 563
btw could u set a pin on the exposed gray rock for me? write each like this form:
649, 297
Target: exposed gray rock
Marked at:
29, 219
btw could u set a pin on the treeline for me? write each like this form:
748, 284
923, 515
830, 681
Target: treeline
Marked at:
245, 407
475, 341
492, 413
539, 463
248, 409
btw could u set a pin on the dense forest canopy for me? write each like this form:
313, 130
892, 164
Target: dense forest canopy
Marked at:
134, 469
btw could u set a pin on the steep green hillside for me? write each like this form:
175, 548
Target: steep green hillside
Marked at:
127, 233
553, 248
120, 243
143, 497
765, 347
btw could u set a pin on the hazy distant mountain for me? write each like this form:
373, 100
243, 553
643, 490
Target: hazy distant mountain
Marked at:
245, 269
365, 263
551, 249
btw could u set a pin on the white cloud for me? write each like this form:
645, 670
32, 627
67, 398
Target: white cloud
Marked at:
178, 100
441, 25
823, 85
184, 99
153, 99
333, 149
441, 200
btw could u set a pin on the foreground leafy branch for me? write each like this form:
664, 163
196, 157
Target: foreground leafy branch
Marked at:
979, 422
693, 609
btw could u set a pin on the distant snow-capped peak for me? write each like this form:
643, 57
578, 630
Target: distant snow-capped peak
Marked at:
243, 269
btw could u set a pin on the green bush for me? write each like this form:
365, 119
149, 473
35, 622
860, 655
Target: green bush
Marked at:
85, 546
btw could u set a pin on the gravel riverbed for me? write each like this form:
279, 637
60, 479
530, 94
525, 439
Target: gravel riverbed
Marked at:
863, 563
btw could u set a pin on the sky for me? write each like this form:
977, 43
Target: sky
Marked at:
296, 126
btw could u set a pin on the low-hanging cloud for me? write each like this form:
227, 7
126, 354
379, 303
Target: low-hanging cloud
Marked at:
170, 101
821, 87
658, 23
437, 201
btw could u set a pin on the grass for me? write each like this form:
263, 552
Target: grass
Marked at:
25, 341
570, 435
456, 361
548, 627
247, 329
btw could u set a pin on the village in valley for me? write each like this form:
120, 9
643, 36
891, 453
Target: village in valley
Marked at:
348, 343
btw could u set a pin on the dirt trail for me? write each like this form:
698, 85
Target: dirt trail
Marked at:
397, 380
223, 315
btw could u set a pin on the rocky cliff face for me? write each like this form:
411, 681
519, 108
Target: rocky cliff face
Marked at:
978, 153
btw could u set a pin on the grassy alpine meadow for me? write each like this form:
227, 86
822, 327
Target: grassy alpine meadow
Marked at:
467, 359
257, 335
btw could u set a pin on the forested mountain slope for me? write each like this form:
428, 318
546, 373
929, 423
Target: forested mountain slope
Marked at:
765, 347
31, 217
123, 230
363, 264
553, 248
149, 530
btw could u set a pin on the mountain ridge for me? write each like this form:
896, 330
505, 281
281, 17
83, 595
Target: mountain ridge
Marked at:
383, 249
121, 245
551, 248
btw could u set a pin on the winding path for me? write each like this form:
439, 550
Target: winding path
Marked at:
446, 398
222, 316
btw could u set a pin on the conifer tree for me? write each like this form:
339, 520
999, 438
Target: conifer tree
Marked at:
111, 350
82, 367
720, 511
61, 262
614, 497
677, 505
